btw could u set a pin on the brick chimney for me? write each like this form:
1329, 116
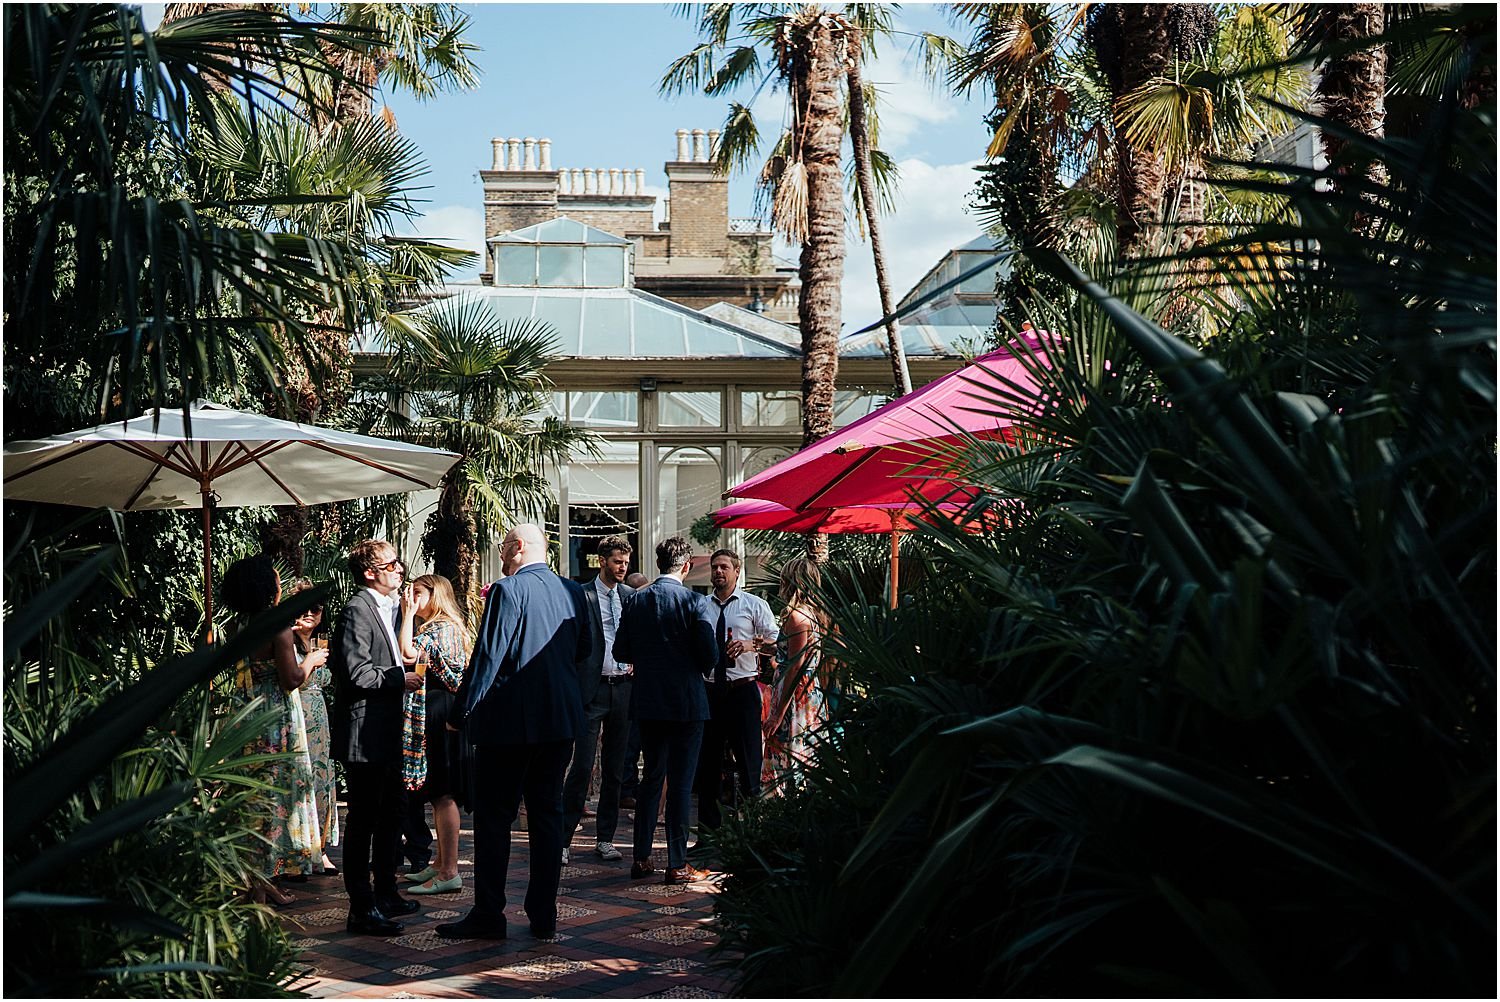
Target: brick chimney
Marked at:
699, 197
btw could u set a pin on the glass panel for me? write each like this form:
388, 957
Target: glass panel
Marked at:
606, 409
770, 408
606, 328
658, 332
555, 406
560, 267
757, 461
561, 313
515, 264
604, 267
689, 488
980, 284
851, 405
689, 409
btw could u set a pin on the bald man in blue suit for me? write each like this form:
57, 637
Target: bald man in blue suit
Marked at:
521, 708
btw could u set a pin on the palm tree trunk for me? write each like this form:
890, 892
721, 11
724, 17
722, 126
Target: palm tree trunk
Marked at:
819, 121
859, 134
1351, 89
1146, 41
450, 538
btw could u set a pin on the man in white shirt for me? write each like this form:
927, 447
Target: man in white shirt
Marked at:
605, 685
372, 678
740, 621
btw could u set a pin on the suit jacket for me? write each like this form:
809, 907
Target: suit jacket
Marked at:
366, 724
521, 686
591, 667
665, 632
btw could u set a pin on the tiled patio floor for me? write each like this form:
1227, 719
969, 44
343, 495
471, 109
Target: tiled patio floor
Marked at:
616, 938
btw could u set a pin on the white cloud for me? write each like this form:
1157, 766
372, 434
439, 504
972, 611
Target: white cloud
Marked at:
454, 225
931, 218
907, 104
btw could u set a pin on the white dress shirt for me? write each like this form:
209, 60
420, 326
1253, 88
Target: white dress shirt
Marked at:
610, 607
387, 606
749, 617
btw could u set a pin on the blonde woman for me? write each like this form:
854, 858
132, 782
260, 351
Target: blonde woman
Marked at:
798, 705
435, 640
309, 636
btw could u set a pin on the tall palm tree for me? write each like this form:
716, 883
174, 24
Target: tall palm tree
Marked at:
811, 50
464, 380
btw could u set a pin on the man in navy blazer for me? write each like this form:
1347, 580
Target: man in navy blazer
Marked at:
520, 706
666, 633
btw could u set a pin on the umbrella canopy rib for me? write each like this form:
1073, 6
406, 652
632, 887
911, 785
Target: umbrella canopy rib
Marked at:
184, 467
844, 474
222, 467
277, 481
370, 463
150, 476
44, 464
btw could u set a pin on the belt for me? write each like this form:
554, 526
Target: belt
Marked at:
614, 679
735, 683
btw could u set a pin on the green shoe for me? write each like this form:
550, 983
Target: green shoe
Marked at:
422, 876
436, 886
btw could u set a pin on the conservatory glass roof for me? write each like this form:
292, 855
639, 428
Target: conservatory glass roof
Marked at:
561, 230
626, 323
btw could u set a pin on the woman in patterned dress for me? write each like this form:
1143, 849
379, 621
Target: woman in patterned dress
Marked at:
797, 706
289, 819
439, 648
312, 654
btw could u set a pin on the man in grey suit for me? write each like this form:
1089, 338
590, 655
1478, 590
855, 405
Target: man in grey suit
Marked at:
519, 705
371, 678
667, 635
605, 685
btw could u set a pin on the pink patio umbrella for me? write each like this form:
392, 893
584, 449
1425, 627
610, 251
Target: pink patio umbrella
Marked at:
902, 450
893, 518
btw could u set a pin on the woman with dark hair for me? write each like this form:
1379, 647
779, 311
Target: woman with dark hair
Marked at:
798, 703
439, 650
311, 640
290, 822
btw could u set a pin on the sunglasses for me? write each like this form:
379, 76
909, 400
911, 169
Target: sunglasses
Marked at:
394, 565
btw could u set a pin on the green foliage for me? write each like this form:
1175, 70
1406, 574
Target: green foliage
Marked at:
131, 806
1214, 716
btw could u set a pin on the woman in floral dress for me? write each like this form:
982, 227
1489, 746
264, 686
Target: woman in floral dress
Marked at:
798, 705
435, 641
312, 654
289, 815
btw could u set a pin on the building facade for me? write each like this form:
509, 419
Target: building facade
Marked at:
672, 343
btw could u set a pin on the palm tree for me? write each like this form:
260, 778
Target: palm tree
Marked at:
464, 380
811, 50
120, 284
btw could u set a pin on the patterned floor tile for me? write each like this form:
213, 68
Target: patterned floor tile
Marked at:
414, 970
546, 968
675, 934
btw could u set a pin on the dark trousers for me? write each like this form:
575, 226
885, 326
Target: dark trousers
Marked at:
733, 726
507, 774
415, 839
671, 750
630, 776
608, 711
371, 830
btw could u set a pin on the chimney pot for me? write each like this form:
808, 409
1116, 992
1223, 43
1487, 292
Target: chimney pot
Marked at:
513, 153
614, 181
544, 150
497, 147
682, 144
529, 146
698, 156
713, 144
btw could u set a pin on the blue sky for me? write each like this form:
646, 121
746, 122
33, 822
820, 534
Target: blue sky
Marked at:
586, 75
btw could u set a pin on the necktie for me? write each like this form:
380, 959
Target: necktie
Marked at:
721, 670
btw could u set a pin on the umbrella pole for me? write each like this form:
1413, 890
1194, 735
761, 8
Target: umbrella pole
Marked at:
895, 560
208, 564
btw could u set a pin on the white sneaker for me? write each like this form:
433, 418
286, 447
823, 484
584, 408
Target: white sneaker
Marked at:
567, 857
607, 851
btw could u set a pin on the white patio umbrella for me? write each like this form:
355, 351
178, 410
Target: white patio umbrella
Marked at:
230, 458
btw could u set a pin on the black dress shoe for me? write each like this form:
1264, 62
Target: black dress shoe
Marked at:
544, 931
370, 922
641, 869
417, 867
468, 928
391, 907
